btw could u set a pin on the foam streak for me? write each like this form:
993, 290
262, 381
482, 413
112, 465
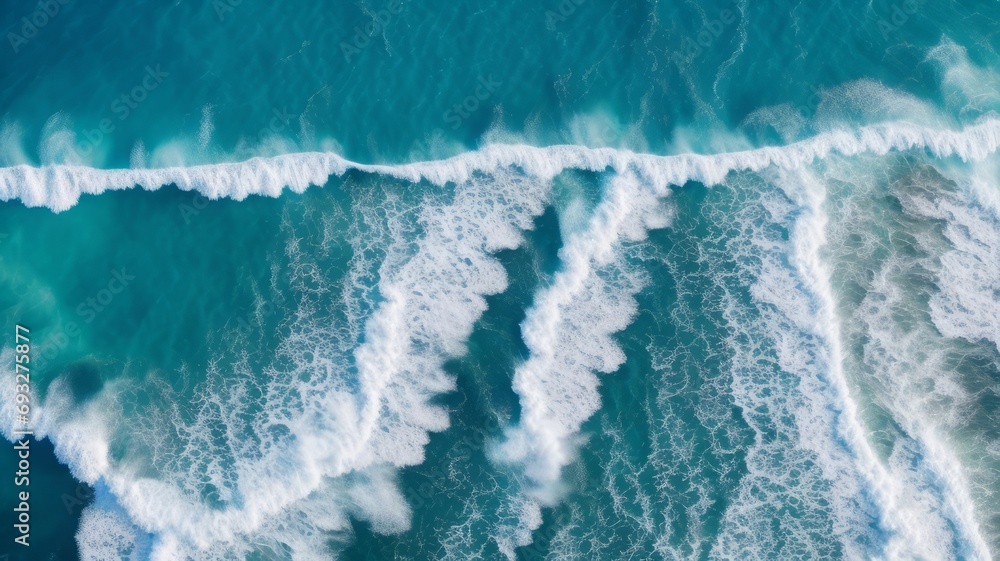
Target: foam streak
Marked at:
59, 187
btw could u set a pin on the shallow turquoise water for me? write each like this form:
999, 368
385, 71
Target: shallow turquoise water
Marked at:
511, 353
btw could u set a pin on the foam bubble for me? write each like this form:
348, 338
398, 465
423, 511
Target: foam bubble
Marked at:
905, 363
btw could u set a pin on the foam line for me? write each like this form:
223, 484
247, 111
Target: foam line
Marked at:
556, 385
59, 187
808, 239
568, 330
911, 522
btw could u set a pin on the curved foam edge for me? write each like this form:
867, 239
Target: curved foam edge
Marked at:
568, 333
59, 187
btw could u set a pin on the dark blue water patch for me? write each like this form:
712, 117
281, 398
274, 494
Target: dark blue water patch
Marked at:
544, 243
56, 500
83, 380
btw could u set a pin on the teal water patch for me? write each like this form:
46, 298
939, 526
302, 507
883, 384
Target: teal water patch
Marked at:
55, 501
161, 85
675, 436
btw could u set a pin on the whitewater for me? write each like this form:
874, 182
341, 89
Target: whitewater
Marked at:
351, 438
59, 187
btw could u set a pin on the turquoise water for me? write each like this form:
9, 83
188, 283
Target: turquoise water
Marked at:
561, 280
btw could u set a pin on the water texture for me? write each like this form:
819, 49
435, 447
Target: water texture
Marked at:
504, 280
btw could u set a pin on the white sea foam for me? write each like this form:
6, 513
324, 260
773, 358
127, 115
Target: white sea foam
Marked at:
909, 369
968, 305
911, 524
800, 472
59, 187
429, 303
969, 90
106, 536
569, 330
558, 387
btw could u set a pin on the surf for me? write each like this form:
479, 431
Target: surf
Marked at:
428, 305
59, 187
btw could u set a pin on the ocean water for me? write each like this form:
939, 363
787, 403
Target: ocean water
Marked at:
503, 280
